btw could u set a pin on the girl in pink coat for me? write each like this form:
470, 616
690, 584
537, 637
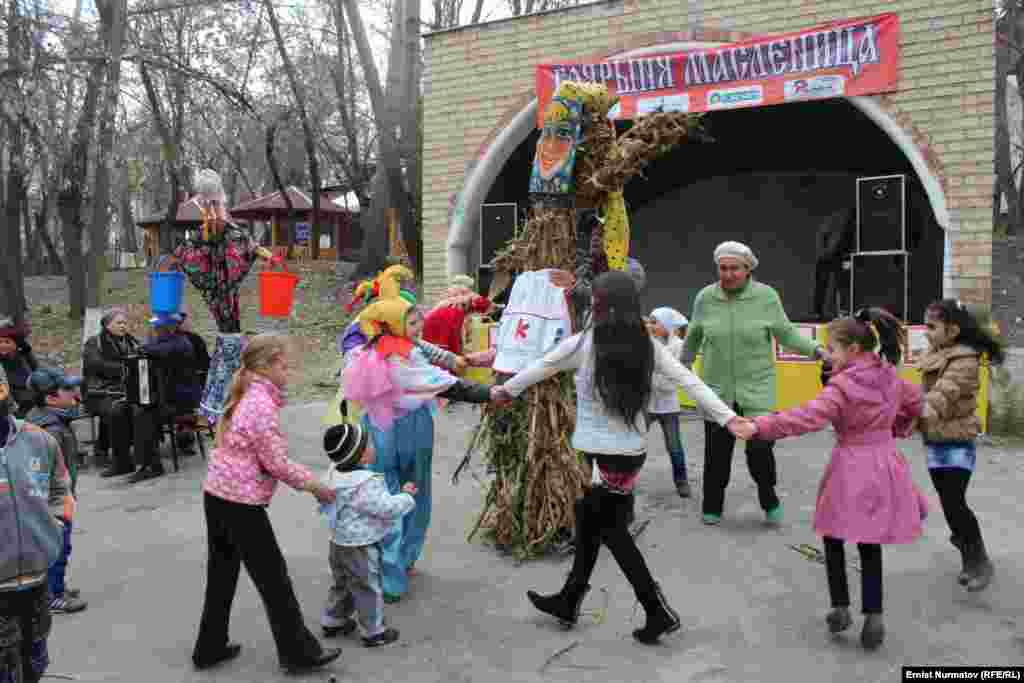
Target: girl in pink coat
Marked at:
866, 495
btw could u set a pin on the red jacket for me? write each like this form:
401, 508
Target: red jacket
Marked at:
443, 326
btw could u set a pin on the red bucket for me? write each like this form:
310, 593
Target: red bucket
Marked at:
277, 293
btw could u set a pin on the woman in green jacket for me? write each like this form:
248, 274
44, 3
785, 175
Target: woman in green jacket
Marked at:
733, 323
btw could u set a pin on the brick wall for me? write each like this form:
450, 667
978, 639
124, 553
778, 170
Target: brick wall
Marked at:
478, 77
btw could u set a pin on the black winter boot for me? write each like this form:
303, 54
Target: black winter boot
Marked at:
959, 544
661, 618
563, 605
980, 568
873, 632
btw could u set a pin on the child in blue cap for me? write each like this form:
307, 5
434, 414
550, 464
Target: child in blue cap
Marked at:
56, 405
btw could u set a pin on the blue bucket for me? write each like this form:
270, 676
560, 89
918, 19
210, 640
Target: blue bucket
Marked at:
166, 291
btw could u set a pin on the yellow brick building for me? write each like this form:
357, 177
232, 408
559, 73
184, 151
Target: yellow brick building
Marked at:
479, 108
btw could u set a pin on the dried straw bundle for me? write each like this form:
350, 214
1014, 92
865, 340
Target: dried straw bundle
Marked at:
538, 476
651, 137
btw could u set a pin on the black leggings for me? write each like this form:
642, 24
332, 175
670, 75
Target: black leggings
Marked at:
870, 575
602, 518
951, 485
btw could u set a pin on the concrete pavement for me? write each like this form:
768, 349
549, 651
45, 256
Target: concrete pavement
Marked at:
752, 608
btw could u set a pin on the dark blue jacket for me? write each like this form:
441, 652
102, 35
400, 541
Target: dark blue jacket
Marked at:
176, 359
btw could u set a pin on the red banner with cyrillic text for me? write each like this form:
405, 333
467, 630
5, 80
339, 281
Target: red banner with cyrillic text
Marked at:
842, 58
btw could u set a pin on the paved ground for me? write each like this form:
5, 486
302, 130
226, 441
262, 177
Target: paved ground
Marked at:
752, 608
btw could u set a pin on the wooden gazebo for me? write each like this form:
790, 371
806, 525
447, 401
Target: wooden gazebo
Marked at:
274, 209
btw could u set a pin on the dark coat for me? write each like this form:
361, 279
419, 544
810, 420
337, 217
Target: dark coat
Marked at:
102, 362
18, 369
176, 360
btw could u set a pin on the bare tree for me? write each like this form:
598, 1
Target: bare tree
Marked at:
12, 279
112, 21
307, 131
389, 188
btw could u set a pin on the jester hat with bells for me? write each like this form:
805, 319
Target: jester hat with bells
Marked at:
368, 291
389, 308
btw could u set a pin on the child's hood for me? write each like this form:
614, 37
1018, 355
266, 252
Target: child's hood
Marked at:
868, 381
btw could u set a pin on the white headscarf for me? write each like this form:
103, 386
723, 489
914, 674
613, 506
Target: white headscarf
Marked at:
670, 318
736, 250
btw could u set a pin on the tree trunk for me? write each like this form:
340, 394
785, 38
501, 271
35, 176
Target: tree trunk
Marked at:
112, 18
56, 267
12, 275
276, 173
412, 232
70, 198
33, 264
1004, 167
129, 241
307, 129
388, 160
169, 156
12, 279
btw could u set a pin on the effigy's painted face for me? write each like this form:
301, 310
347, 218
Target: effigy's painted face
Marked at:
554, 149
555, 157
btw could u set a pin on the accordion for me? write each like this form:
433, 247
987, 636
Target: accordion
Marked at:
141, 382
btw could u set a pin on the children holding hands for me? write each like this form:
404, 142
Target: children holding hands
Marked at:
362, 515
867, 495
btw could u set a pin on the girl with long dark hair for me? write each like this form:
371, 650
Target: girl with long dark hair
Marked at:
613, 360
950, 373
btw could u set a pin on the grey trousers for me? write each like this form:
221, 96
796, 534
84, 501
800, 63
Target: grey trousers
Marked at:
358, 588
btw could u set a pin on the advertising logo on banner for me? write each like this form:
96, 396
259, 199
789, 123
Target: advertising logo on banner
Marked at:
842, 58
736, 97
815, 88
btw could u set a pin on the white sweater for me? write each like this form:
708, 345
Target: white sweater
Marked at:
596, 430
665, 390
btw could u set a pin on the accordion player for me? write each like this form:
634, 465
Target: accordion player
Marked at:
141, 380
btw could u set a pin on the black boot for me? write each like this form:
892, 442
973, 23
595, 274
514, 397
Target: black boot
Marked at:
873, 632
661, 618
563, 605
959, 544
980, 568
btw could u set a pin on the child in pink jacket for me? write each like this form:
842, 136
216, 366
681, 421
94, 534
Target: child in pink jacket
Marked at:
866, 495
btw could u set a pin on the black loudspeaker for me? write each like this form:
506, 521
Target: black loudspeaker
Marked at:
880, 280
497, 227
881, 214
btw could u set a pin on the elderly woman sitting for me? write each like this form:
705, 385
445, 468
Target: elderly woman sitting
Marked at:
103, 365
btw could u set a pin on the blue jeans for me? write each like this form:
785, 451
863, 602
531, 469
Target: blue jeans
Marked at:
55, 575
673, 443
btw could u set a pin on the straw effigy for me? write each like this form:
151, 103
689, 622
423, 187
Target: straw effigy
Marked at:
538, 476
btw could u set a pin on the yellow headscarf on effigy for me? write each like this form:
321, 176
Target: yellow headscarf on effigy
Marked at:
388, 310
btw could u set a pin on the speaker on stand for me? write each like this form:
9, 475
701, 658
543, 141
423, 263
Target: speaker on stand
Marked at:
879, 266
497, 228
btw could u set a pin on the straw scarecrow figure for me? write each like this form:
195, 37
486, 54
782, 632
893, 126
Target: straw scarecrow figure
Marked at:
216, 261
578, 222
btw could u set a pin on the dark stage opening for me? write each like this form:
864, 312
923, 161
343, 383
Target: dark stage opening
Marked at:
771, 177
